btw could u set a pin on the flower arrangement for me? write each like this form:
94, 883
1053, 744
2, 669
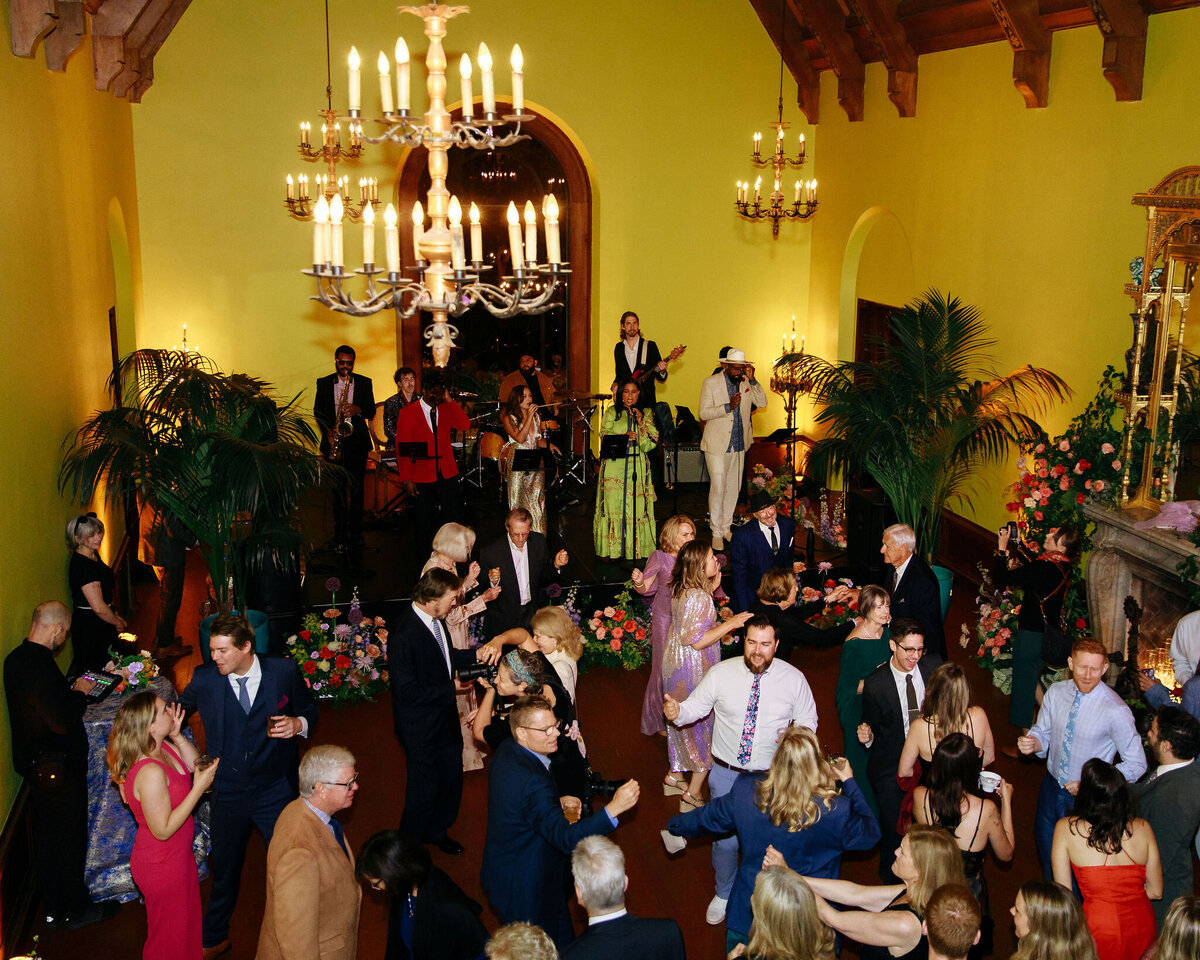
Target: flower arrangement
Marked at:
825, 516
617, 635
834, 614
136, 669
342, 662
778, 485
991, 637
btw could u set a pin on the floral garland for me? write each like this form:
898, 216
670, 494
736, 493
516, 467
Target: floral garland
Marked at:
992, 634
135, 669
342, 662
617, 636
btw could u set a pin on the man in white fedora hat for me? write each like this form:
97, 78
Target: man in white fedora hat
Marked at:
726, 399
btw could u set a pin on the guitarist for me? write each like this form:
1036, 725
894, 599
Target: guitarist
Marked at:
638, 359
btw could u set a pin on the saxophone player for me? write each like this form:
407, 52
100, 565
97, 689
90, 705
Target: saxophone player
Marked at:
344, 408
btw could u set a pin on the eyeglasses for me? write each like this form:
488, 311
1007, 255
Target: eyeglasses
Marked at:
336, 783
545, 731
919, 651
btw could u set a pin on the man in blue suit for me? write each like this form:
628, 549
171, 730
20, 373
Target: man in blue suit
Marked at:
253, 709
765, 542
528, 836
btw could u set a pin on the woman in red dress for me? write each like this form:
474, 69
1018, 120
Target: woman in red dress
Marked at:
1114, 858
156, 781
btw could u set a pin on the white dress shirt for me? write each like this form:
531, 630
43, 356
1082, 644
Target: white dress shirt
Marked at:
631, 353
784, 699
520, 559
901, 680
435, 628
900, 573
605, 917
253, 682
1185, 647
766, 532
427, 409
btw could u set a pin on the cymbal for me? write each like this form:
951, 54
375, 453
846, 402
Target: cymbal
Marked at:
465, 393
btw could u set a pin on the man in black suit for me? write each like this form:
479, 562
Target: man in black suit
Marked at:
528, 837
638, 359
352, 397
766, 541
253, 709
600, 883
422, 662
914, 588
891, 700
50, 750
523, 559
1167, 799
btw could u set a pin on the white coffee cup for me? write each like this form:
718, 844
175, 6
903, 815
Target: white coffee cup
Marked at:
989, 782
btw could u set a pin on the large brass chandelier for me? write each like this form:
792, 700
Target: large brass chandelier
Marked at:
440, 280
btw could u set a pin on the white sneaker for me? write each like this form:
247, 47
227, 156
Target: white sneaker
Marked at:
673, 843
716, 910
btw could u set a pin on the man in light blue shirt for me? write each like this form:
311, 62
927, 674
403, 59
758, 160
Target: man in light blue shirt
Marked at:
1079, 719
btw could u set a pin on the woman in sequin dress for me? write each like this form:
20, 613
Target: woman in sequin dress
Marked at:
523, 425
692, 647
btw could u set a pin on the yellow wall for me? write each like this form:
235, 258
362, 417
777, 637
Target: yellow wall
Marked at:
663, 100
1024, 213
71, 162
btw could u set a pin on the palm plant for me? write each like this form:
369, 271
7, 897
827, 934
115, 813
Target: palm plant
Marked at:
920, 421
215, 451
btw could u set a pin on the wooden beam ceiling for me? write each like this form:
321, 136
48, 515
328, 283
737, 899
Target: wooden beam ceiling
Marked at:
126, 34
897, 32
784, 31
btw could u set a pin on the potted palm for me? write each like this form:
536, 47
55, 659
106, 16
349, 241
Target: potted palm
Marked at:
216, 451
928, 415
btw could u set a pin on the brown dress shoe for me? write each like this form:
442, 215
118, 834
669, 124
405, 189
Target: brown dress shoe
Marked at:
215, 951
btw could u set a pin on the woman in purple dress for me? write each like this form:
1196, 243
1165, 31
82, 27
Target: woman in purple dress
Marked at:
655, 582
691, 648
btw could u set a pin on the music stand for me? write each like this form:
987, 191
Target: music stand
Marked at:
528, 461
614, 446
413, 450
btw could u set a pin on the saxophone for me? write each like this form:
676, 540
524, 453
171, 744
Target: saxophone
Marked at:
342, 426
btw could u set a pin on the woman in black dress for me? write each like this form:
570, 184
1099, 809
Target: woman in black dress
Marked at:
94, 623
429, 917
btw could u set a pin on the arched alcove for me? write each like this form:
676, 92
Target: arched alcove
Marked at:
576, 216
877, 265
122, 267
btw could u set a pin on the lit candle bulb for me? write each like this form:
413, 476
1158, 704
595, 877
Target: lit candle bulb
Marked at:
531, 243
518, 79
757, 189
457, 254
303, 134
757, 143
476, 236
553, 251
779, 143
801, 146
354, 88
391, 240
291, 194
385, 83
402, 75
514, 237
320, 225
368, 220
797, 191
335, 229
814, 191
464, 71
487, 79
418, 225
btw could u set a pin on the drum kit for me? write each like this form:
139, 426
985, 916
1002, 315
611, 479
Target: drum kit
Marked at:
569, 428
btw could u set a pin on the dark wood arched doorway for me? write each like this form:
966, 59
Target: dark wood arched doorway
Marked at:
577, 220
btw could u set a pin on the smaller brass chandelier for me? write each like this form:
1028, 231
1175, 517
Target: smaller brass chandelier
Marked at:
804, 203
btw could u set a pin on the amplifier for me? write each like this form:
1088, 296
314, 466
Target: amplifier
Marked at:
692, 468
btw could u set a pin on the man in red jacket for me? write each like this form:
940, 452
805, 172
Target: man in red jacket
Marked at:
433, 477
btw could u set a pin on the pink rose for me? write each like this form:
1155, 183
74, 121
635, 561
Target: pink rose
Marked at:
1087, 484
1064, 445
1064, 484
615, 645
1106, 448
1043, 473
610, 611
1040, 448
617, 633
1099, 485
597, 615
1116, 464
594, 623
600, 632
1037, 515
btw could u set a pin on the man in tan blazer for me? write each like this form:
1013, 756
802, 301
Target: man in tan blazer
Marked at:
726, 399
312, 894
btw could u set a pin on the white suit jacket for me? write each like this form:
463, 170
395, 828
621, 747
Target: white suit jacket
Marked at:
718, 425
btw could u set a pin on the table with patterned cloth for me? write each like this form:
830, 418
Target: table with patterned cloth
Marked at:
111, 827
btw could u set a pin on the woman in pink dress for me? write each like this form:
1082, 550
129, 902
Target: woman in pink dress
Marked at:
452, 545
692, 647
1114, 858
655, 582
156, 780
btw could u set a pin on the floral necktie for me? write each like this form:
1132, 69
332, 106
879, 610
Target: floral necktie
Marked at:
746, 747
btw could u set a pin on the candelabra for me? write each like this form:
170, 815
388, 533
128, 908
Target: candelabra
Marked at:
790, 379
441, 281
299, 198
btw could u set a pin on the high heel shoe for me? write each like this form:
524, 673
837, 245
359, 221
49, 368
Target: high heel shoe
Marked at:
688, 803
673, 786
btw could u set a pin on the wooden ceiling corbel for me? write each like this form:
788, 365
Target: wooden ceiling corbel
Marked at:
1022, 24
795, 57
143, 41
883, 26
110, 24
1123, 25
67, 35
828, 24
28, 22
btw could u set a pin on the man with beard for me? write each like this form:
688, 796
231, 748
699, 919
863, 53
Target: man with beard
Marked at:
528, 375
753, 700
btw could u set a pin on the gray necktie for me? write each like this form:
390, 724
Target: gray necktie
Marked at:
243, 694
440, 634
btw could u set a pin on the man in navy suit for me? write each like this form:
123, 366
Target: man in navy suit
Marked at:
892, 697
757, 546
528, 836
600, 883
253, 709
422, 663
913, 586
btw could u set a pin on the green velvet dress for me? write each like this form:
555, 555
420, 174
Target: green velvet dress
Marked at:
624, 522
860, 656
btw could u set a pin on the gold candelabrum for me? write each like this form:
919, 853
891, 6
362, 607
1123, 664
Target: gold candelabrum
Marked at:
790, 379
804, 204
441, 281
298, 193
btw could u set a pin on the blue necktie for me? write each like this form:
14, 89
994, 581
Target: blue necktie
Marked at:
438, 630
1064, 757
243, 694
338, 834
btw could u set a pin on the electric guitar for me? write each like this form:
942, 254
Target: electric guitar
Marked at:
641, 377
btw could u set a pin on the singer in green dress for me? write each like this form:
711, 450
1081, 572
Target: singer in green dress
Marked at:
624, 521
